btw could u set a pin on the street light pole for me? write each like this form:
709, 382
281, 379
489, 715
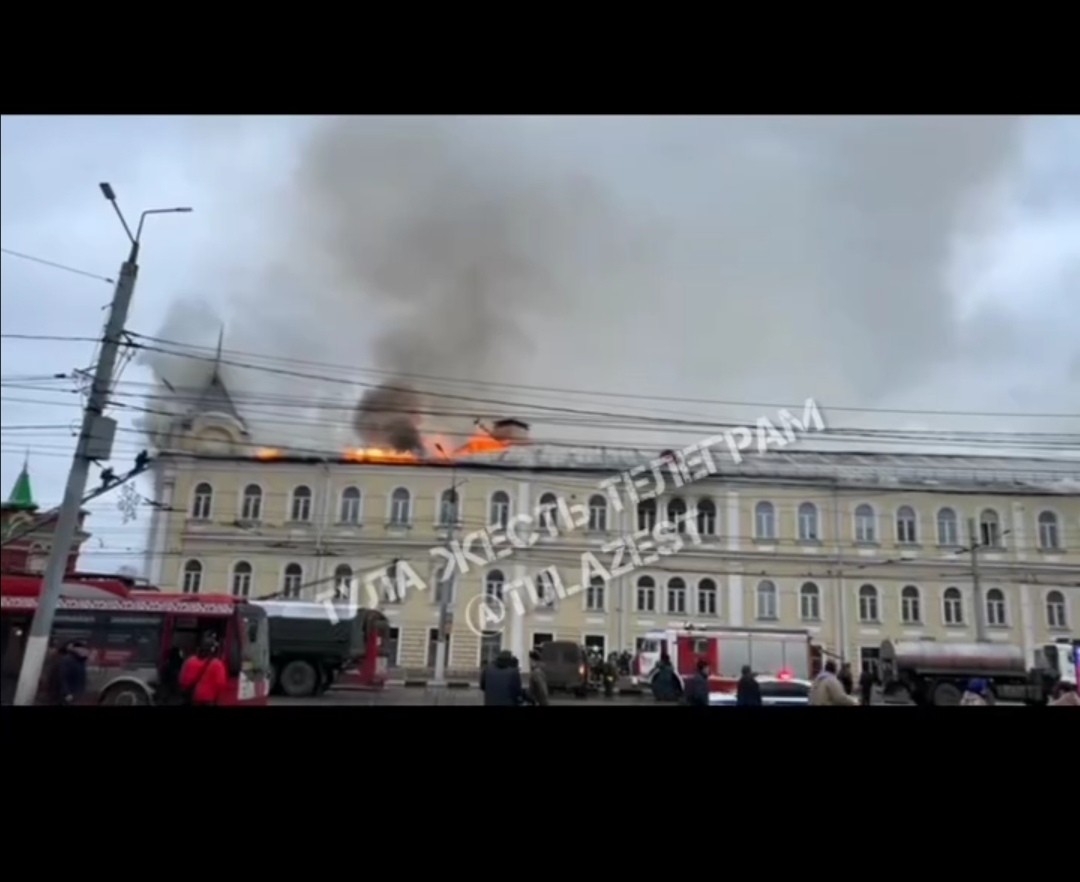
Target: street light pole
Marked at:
95, 443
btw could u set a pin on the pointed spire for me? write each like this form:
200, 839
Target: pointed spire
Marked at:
22, 495
220, 347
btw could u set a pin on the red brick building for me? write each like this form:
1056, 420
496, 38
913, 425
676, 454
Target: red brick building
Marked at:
26, 531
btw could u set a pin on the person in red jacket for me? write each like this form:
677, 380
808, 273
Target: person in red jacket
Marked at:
202, 678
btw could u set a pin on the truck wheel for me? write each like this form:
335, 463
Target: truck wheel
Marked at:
123, 695
946, 695
299, 679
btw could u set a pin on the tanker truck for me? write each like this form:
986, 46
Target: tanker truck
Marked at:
934, 673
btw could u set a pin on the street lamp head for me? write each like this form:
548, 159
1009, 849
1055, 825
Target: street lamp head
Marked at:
107, 191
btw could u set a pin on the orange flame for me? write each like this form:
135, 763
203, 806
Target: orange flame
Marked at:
436, 448
267, 453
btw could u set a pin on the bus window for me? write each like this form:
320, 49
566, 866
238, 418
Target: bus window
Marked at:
130, 639
70, 625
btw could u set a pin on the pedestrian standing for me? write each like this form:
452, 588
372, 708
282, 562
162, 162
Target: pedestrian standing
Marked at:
748, 690
847, 680
69, 677
538, 686
828, 691
696, 691
866, 687
203, 677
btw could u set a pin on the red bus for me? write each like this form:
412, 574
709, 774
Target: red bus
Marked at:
131, 633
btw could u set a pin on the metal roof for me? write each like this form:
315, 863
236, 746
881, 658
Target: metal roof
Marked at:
901, 469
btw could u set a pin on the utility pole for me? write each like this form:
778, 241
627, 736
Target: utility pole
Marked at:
976, 583
94, 444
446, 584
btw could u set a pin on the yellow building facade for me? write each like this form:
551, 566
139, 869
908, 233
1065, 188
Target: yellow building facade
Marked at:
854, 548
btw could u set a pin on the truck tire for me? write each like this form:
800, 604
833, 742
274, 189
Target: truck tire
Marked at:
946, 695
125, 695
299, 679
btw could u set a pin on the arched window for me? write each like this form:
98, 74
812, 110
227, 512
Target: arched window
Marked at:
869, 608
1049, 531
292, 580
948, 528
193, 572
810, 602
997, 612
646, 514
676, 514
449, 508
906, 526
598, 522
990, 528
242, 573
706, 517
809, 531
865, 524
494, 585
646, 595
350, 506
1056, 614
549, 509
708, 598
343, 576
768, 601
910, 605
202, 502
251, 503
300, 510
400, 508
499, 509
764, 521
595, 595
545, 589
676, 596
952, 607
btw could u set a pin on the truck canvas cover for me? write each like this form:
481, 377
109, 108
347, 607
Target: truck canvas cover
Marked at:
310, 629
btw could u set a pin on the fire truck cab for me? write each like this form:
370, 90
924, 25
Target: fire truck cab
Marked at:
770, 653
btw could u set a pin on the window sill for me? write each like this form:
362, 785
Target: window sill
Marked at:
909, 546
1061, 550
768, 618
872, 623
867, 543
765, 540
815, 543
815, 620
399, 527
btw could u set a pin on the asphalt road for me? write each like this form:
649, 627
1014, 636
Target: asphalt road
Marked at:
402, 696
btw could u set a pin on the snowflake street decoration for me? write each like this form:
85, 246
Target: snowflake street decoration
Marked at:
129, 503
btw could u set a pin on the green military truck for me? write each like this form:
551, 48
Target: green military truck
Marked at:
310, 646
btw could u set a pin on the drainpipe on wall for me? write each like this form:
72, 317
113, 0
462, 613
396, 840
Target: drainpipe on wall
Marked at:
320, 528
841, 593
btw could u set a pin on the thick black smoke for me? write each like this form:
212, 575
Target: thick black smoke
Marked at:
389, 417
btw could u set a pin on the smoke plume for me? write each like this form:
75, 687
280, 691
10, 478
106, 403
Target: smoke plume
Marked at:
389, 417
728, 259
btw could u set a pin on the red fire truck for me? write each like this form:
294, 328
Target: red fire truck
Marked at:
131, 632
780, 654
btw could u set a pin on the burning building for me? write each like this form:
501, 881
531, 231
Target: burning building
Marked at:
293, 523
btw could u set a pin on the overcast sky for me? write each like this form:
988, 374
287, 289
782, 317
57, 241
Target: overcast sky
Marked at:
912, 263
